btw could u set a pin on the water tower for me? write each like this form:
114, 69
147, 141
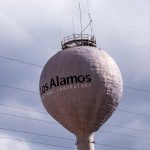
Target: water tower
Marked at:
80, 87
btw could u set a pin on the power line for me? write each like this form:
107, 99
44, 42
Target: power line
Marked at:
20, 89
118, 126
30, 91
127, 135
35, 65
137, 89
39, 134
7, 86
46, 144
37, 111
61, 137
108, 145
69, 139
135, 113
20, 61
94, 123
39, 143
40, 120
133, 136
102, 130
21, 108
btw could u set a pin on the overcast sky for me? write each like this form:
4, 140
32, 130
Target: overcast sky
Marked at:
30, 32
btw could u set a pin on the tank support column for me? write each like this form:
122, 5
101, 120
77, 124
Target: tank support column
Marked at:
85, 142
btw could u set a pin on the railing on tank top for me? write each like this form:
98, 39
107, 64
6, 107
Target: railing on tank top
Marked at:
78, 40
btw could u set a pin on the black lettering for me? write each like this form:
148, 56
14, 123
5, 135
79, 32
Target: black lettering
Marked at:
88, 79
72, 79
62, 81
81, 78
57, 79
52, 83
46, 87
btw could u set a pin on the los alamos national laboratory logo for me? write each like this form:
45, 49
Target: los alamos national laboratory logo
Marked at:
59, 84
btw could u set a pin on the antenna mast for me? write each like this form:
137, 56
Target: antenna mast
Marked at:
60, 34
80, 39
91, 27
73, 25
80, 19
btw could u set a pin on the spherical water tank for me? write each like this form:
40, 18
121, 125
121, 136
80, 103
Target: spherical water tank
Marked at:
80, 87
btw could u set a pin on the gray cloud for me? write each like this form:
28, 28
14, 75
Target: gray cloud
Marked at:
30, 31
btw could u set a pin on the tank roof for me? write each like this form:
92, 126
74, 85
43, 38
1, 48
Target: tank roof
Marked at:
78, 40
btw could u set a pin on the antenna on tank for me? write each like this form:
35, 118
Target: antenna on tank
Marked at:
80, 39
73, 26
90, 19
73, 21
60, 34
80, 19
